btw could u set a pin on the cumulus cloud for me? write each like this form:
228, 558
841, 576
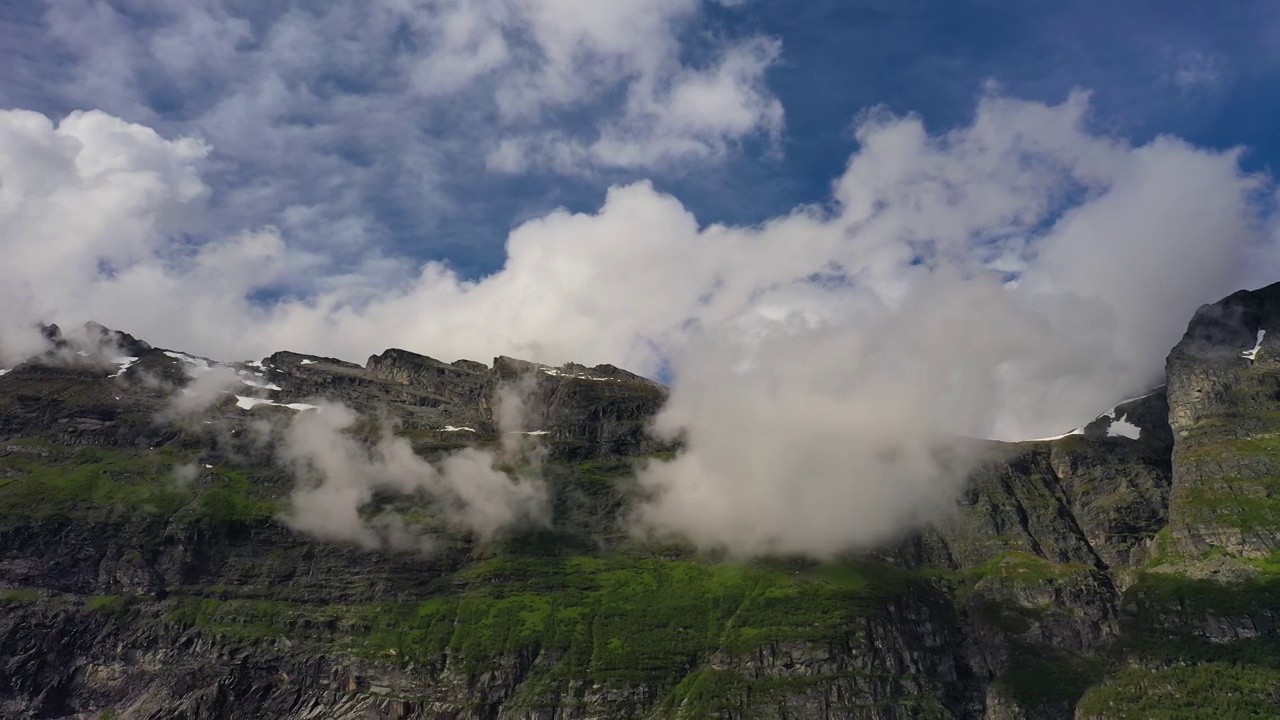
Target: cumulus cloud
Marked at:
84, 199
1010, 278
328, 118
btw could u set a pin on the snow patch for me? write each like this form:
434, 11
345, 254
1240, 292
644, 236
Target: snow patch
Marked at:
125, 363
256, 364
300, 406
249, 403
198, 365
5, 372
1252, 355
1126, 401
307, 362
251, 382
1077, 431
530, 432
1121, 427
555, 372
450, 428
82, 353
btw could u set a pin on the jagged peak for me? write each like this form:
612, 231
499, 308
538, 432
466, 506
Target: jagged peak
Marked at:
1232, 328
100, 336
290, 358
403, 365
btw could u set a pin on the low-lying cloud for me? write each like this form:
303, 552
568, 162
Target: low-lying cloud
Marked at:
338, 476
1008, 279
205, 390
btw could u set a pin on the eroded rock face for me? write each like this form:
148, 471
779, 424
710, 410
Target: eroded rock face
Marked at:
1093, 498
1224, 384
457, 383
585, 412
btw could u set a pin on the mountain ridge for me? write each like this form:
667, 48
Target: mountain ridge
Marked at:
1075, 574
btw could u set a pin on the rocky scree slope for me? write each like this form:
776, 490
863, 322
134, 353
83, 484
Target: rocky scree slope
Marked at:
1127, 570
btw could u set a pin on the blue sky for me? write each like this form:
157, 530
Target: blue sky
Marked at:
404, 177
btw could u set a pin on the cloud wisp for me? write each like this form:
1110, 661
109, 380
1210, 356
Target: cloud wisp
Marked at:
339, 475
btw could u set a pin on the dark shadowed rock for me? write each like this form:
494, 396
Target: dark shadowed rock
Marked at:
452, 383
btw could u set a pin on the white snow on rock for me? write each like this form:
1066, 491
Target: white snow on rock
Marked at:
256, 364
531, 432
307, 362
198, 365
1077, 431
125, 363
5, 372
1252, 355
249, 403
555, 372
300, 406
1121, 427
251, 382
82, 353
450, 428
1126, 401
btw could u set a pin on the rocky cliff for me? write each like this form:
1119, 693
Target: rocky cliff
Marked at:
1127, 570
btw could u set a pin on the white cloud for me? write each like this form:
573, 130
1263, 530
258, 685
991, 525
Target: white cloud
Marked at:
841, 344
327, 118
338, 477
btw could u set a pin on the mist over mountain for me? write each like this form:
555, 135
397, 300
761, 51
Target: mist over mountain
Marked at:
410, 537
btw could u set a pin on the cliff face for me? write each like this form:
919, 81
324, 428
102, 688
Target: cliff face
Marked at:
1224, 380
1125, 571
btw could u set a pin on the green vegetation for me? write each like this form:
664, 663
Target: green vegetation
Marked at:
1010, 567
1023, 567
617, 621
716, 692
635, 618
608, 619
1204, 691
1241, 485
66, 483
1173, 669
20, 594
239, 494
1245, 503
53, 482
113, 604
1041, 676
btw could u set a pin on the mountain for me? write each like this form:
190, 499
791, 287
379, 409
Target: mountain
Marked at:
148, 570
